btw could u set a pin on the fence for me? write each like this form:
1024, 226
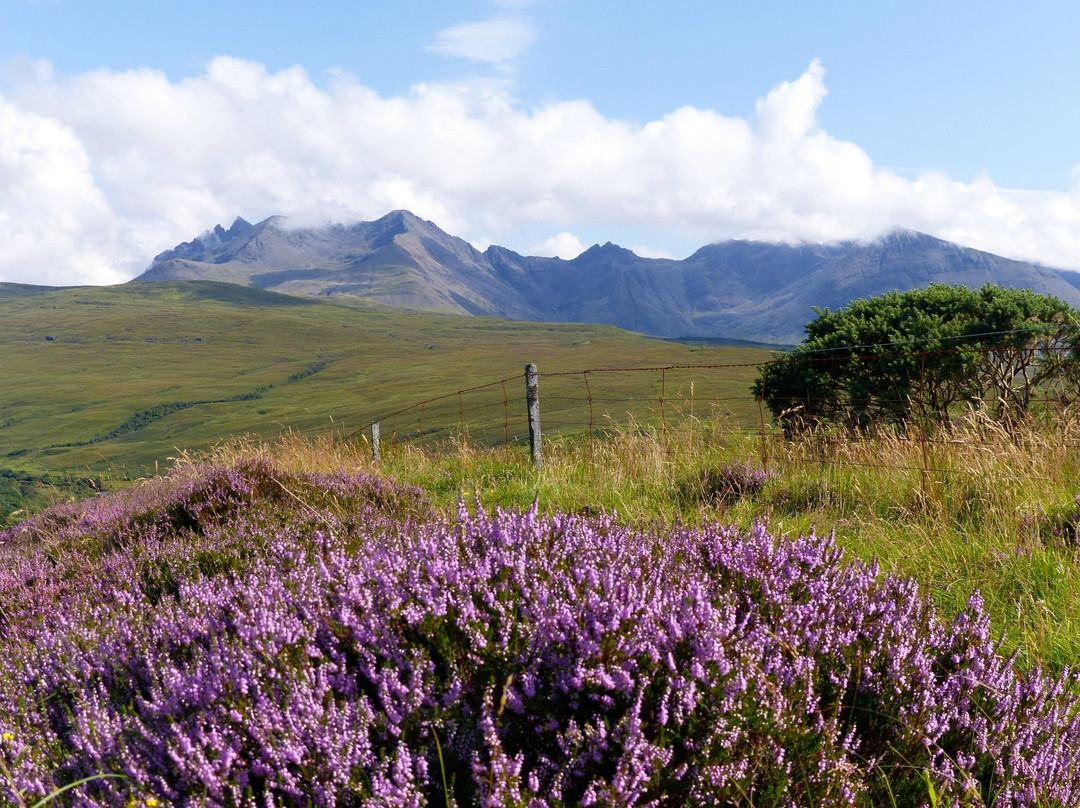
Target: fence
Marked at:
579, 402
509, 411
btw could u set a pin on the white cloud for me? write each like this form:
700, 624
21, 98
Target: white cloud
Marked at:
55, 223
496, 41
100, 171
789, 112
652, 252
564, 245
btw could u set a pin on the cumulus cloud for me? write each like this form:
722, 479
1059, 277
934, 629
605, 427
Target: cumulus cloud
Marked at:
55, 223
564, 245
101, 170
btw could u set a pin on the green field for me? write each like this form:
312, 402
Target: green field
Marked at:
114, 381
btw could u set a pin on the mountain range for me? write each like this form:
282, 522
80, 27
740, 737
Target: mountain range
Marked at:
734, 290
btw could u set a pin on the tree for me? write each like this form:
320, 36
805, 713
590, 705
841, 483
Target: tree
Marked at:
883, 359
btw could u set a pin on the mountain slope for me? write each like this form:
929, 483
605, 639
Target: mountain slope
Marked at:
400, 260
735, 290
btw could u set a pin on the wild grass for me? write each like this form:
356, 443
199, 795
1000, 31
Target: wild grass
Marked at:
972, 507
109, 380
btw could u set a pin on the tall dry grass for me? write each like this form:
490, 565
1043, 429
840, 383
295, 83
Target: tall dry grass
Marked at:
972, 506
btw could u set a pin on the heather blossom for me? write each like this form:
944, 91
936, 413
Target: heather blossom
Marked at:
247, 635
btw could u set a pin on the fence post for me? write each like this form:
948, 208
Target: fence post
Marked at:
922, 423
761, 415
532, 398
375, 441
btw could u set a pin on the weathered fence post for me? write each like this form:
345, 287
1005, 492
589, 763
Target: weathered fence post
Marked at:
532, 398
375, 441
761, 414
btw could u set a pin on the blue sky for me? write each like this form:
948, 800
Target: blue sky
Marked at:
544, 126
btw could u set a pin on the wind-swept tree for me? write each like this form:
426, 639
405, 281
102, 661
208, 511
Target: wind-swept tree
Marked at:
883, 359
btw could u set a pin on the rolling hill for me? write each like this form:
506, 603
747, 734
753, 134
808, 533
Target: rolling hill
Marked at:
117, 379
741, 290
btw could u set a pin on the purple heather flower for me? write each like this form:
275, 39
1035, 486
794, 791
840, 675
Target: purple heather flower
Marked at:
247, 635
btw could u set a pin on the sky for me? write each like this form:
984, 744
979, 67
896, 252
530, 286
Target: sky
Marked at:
544, 126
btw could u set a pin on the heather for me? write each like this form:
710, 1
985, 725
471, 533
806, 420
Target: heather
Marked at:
249, 634
995, 513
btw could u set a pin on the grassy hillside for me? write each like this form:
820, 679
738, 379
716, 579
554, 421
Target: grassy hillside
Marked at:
116, 380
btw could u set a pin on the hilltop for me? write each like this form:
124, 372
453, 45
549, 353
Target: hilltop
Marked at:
741, 290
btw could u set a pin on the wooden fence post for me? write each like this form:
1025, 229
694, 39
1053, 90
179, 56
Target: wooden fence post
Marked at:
761, 415
532, 398
375, 441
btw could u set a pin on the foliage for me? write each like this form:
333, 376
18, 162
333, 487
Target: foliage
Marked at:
900, 355
324, 640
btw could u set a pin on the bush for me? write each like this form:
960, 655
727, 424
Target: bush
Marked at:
916, 354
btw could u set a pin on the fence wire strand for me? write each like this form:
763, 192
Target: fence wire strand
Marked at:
671, 393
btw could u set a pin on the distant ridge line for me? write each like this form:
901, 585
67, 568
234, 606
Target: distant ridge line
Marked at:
756, 292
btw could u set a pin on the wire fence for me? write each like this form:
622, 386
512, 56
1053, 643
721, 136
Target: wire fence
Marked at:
593, 402
583, 402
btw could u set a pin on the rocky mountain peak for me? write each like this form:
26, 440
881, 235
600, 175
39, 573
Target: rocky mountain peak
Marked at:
241, 227
607, 250
746, 290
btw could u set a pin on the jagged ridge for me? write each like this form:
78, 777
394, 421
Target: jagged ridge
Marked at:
735, 290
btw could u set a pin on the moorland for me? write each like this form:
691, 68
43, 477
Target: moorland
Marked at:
103, 385
675, 609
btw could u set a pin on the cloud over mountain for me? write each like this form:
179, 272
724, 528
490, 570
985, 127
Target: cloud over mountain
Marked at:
732, 290
100, 170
